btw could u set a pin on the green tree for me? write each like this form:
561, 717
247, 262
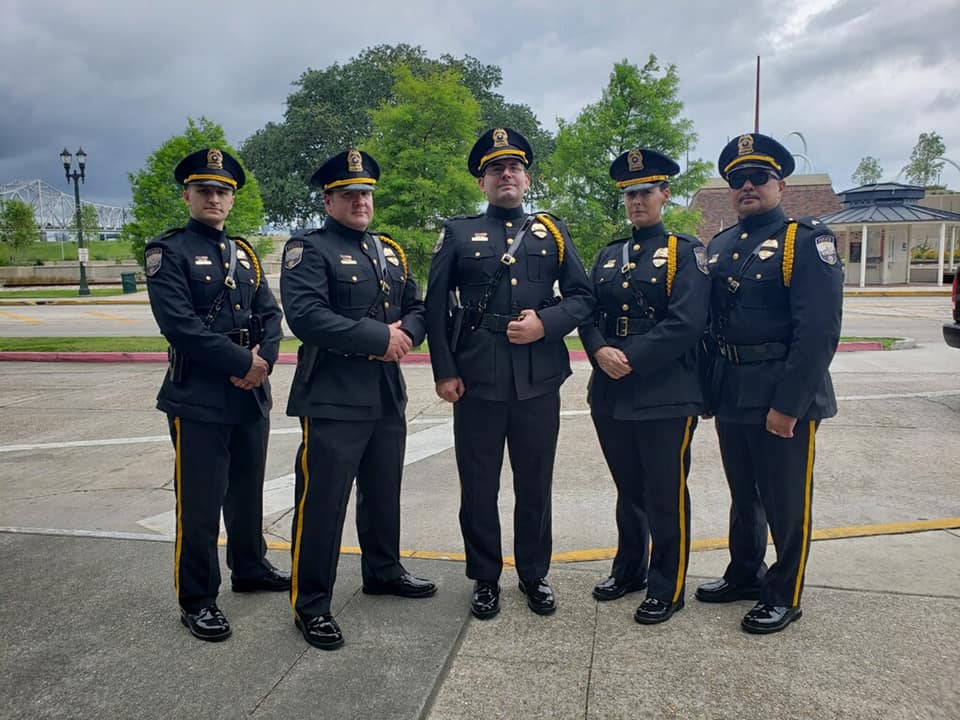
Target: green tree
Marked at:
18, 227
868, 172
332, 109
158, 198
638, 108
924, 167
89, 222
420, 139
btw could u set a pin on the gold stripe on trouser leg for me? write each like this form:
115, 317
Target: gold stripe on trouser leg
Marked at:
807, 497
298, 534
178, 481
682, 507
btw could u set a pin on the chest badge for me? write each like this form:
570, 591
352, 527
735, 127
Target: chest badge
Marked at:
202, 260
479, 237
539, 229
347, 260
609, 264
660, 256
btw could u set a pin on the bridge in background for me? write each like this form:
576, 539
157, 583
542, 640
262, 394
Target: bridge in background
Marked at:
55, 210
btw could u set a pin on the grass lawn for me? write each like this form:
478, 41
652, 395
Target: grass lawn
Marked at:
158, 344
43, 294
50, 251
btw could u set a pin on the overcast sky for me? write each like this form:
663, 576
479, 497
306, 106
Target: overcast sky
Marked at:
854, 77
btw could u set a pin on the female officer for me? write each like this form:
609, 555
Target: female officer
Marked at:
652, 292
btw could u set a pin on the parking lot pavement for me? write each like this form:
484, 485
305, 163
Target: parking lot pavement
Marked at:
90, 629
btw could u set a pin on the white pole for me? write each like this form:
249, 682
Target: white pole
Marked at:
941, 246
953, 247
863, 256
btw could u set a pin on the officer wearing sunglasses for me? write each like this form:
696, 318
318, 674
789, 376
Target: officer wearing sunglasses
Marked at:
777, 291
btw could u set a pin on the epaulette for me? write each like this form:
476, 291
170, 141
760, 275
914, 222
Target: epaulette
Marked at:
618, 241
464, 217
169, 233
809, 222
397, 249
253, 258
721, 232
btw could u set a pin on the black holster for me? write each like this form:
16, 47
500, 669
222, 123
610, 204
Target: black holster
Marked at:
455, 317
308, 358
179, 365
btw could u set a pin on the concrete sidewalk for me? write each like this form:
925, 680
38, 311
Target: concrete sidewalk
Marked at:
90, 630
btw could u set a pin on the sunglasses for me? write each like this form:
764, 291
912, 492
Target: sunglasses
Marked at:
756, 178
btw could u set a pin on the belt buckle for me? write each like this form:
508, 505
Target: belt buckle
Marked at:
623, 326
508, 259
732, 285
244, 337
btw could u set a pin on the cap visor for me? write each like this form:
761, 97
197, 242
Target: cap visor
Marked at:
640, 186
212, 183
358, 186
752, 165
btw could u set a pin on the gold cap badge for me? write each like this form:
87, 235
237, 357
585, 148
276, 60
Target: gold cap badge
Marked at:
354, 162
214, 160
745, 145
499, 138
635, 160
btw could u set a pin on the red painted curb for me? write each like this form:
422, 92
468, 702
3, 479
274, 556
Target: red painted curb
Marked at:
283, 359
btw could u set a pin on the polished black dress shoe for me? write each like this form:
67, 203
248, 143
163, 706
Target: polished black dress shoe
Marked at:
321, 631
720, 591
208, 623
406, 586
612, 588
653, 611
765, 618
273, 580
485, 602
539, 596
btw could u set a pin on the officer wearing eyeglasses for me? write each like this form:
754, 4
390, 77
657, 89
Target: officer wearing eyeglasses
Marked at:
777, 292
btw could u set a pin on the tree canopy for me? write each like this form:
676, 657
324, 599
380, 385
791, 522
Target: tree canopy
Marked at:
924, 166
638, 108
420, 140
18, 226
158, 198
868, 172
333, 109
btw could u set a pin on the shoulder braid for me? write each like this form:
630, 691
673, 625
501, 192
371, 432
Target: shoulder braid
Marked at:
253, 258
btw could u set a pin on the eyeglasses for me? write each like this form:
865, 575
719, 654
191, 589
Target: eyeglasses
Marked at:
756, 178
500, 168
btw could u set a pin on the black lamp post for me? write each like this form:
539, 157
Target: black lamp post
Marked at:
77, 177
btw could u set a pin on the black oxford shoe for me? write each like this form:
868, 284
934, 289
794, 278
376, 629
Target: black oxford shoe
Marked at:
406, 586
612, 588
765, 618
485, 602
273, 580
321, 632
720, 591
653, 611
208, 623
539, 596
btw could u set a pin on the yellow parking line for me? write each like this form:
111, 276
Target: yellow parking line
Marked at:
22, 318
108, 316
853, 531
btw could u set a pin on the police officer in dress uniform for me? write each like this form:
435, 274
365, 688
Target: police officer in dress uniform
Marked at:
504, 361
777, 292
653, 293
350, 299
214, 307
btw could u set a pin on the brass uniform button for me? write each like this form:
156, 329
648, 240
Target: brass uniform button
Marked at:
744, 236
223, 246
477, 254
514, 281
226, 265
736, 256
353, 278
364, 246
653, 279
626, 284
374, 261
636, 246
207, 278
633, 266
508, 223
236, 307
625, 307
509, 241
759, 276
543, 252
386, 304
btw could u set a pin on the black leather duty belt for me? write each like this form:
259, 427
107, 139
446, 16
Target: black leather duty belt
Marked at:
744, 354
490, 321
623, 326
241, 336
